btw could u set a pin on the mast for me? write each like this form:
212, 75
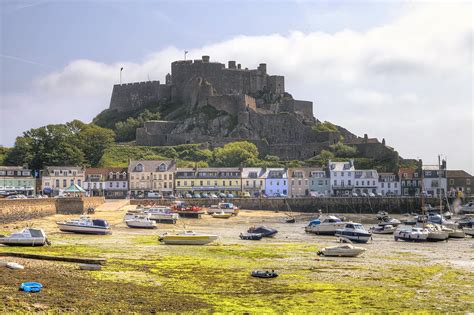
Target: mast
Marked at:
439, 183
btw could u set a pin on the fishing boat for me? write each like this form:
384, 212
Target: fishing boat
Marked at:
162, 215
264, 230
345, 250
411, 234
85, 225
221, 215
436, 233
453, 232
325, 225
187, 238
186, 211
251, 236
26, 237
354, 232
140, 222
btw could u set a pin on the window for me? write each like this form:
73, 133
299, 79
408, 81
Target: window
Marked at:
185, 183
284, 182
468, 181
64, 183
72, 181
178, 183
165, 177
428, 173
415, 174
79, 182
292, 182
335, 182
162, 167
342, 174
201, 183
349, 182
299, 182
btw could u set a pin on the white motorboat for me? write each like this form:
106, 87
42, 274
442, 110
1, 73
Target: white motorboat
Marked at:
354, 232
162, 214
325, 225
85, 225
453, 232
221, 215
187, 238
345, 250
140, 222
411, 233
469, 231
436, 233
226, 207
382, 229
26, 237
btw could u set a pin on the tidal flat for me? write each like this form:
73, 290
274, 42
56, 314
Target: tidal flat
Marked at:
142, 275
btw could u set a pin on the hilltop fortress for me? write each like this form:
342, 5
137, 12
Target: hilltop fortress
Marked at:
207, 102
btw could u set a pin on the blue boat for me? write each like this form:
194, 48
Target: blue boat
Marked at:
31, 287
354, 232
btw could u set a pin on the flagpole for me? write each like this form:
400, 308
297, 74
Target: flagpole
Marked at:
121, 75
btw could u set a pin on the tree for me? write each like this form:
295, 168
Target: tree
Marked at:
125, 130
235, 154
93, 141
321, 159
325, 126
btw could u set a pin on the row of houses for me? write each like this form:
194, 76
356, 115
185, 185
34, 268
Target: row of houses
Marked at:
165, 178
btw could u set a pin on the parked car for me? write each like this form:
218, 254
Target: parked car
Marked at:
354, 194
222, 195
188, 196
230, 196
279, 195
197, 196
213, 196
379, 194
153, 195
171, 197
205, 195
363, 194
371, 194
19, 196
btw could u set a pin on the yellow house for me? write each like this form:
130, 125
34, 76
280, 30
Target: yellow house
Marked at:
208, 180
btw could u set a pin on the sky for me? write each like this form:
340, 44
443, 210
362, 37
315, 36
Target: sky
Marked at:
396, 70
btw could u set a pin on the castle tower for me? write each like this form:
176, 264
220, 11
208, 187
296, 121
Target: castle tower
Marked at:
168, 79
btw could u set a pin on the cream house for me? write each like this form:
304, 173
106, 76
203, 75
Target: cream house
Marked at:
151, 176
54, 179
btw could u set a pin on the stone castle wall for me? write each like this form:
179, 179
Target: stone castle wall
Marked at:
130, 96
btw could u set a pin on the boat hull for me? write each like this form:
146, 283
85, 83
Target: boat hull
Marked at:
343, 253
322, 229
84, 229
410, 237
141, 225
23, 242
354, 236
437, 236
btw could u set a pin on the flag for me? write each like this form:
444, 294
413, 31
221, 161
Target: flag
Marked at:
121, 69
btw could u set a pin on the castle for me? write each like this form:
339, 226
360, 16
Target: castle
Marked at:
207, 102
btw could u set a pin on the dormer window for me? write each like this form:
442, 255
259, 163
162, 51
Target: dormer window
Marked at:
139, 168
162, 167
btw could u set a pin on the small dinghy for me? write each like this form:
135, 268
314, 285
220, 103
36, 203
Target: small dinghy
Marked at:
140, 222
290, 220
382, 229
187, 238
264, 274
354, 232
31, 287
264, 230
251, 236
27, 237
222, 215
346, 250
85, 225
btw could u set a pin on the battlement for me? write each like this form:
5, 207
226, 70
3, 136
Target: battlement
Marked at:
129, 96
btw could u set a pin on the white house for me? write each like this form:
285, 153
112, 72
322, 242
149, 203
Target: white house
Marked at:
389, 184
341, 177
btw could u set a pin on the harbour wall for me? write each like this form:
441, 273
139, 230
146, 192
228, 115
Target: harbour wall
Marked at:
333, 205
26, 209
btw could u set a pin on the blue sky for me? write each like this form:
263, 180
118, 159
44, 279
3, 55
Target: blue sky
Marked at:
394, 70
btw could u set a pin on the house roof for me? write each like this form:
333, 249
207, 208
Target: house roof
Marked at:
458, 173
341, 166
74, 188
152, 165
49, 169
247, 170
430, 167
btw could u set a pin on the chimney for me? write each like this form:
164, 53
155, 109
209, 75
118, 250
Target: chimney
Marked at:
205, 58
231, 64
239, 66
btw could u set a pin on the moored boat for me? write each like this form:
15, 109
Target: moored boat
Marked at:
162, 215
221, 215
264, 274
85, 225
140, 222
354, 232
325, 225
187, 238
264, 230
251, 236
411, 234
469, 231
382, 229
26, 237
345, 250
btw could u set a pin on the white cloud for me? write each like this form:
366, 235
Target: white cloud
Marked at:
408, 81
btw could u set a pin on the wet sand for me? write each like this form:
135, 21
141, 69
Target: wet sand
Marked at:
145, 276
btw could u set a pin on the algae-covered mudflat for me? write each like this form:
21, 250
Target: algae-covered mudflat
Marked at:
141, 275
